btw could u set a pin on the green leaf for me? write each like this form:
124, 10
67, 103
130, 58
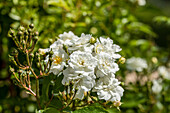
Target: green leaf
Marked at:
58, 85
51, 110
45, 90
96, 108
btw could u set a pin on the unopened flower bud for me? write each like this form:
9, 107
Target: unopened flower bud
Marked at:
92, 40
19, 33
29, 30
50, 41
41, 51
35, 38
21, 28
26, 32
38, 64
14, 52
11, 33
122, 60
154, 60
31, 26
32, 55
51, 53
117, 103
20, 71
36, 33
11, 69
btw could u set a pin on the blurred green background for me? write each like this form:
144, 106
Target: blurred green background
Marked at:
141, 30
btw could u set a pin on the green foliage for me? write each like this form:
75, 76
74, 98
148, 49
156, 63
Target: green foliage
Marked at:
95, 108
139, 31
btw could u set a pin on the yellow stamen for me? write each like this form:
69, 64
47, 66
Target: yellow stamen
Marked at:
57, 60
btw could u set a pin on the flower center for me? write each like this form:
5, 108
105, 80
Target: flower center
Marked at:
57, 60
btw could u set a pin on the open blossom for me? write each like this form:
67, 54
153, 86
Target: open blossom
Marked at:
59, 57
80, 64
137, 64
105, 65
108, 88
107, 46
59, 61
82, 44
68, 38
141, 2
164, 72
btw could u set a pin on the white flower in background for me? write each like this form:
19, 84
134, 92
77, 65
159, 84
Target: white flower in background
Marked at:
107, 46
164, 72
108, 88
137, 64
157, 87
105, 65
141, 2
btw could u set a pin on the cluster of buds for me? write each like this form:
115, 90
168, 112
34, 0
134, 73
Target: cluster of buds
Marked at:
25, 39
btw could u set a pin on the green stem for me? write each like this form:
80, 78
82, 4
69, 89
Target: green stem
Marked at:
36, 78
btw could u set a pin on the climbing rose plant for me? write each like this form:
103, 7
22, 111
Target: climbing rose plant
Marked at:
76, 71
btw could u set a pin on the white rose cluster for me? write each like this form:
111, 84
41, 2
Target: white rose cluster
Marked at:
88, 63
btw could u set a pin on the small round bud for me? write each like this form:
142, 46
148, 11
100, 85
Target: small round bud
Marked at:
20, 71
11, 69
50, 40
122, 83
32, 55
14, 52
38, 64
29, 30
21, 28
19, 33
117, 103
35, 38
41, 51
92, 40
26, 32
154, 60
51, 53
122, 60
11, 32
31, 26
36, 33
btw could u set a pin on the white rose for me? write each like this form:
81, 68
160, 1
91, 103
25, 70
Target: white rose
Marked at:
105, 65
164, 72
82, 62
157, 87
68, 38
107, 46
108, 88
82, 44
137, 64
